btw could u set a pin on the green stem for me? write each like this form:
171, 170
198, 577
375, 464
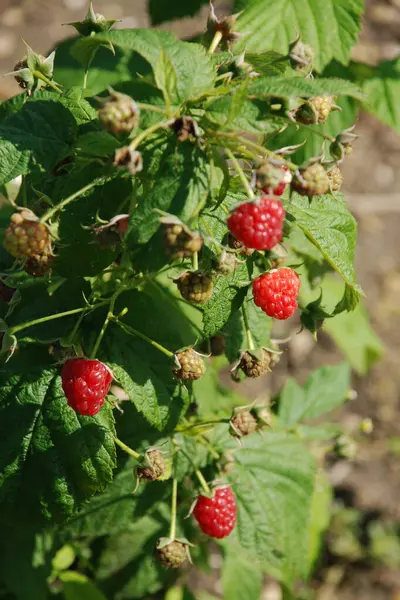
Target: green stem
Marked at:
260, 149
109, 317
139, 139
132, 331
73, 196
126, 449
202, 481
317, 132
250, 341
67, 313
73, 333
240, 172
215, 41
172, 531
47, 81
150, 107
195, 261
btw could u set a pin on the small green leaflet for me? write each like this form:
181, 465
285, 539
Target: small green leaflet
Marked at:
324, 390
52, 459
273, 24
40, 134
329, 225
305, 88
188, 74
382, 87
228, 295
235, 333
164, 10
273, 481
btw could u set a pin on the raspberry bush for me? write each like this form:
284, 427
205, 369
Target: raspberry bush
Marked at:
140, 231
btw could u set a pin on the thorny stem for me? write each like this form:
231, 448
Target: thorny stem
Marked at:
215, 41
132, 331
139, 139
67, 313
250, 341
127, 449
172, 531
195, 261
73, 196
202, 481
240, 172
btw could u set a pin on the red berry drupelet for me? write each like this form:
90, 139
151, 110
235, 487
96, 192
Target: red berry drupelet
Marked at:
216, 516
258, 224
276, 293
85, 383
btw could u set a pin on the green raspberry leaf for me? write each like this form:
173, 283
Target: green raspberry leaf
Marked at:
228, 296
116, 508
40, 134
53, 459
324, 390
329, 225
273, 480
382, 87
305, 88
273, 24
164, 10
242, 578
194, 69
144, 372
235, 333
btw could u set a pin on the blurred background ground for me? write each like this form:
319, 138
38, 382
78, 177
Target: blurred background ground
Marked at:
362, 557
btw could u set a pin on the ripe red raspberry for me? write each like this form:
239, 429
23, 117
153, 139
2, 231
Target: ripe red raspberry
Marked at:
258, 224
217, 515
85, 383
276, 293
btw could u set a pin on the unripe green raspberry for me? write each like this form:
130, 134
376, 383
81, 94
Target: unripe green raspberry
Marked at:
301, 56
119, 113
195, 287
189, 365
180, 242
323, 106
156, 468
335, 179
268, 177
25, 236
243, 423
237, 245
253, 366
172, 555
227, 263
38, 265
311, 181
23, 80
